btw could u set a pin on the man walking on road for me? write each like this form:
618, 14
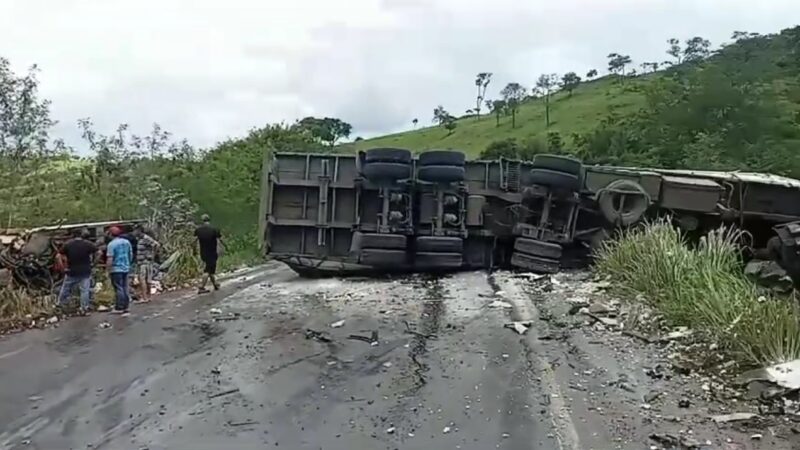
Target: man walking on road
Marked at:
118, 263
207, 239
79, 253
145, 261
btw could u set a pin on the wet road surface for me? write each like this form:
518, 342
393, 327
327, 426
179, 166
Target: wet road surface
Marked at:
420, 362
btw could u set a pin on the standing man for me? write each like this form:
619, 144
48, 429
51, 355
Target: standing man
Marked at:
119, 257
79, 253
207, 238
145, 261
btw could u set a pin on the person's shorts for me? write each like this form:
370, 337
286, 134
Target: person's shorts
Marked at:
145, 272
210, 262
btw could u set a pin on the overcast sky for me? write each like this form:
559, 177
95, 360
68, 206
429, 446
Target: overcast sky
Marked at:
211, 69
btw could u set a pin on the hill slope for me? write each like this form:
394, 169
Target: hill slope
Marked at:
737, 109
578, 113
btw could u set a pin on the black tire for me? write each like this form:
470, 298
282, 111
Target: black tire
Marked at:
441, 158
537, 248
379, 171
388, 155
534, 263
440, 244
559, 164
636, 202
554, 179
431, 260
383, 241
441, 174
382, 258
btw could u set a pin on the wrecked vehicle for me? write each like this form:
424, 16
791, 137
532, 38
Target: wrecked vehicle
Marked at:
28, 256
385, 210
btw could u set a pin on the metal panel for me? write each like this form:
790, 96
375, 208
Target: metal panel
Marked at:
687, 194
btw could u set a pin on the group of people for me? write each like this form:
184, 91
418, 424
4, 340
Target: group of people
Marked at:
127, 255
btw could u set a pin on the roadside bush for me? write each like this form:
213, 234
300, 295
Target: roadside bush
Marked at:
703, 287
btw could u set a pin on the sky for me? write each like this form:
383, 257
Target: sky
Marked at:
208, 70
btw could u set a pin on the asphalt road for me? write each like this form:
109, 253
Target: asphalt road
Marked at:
268, 370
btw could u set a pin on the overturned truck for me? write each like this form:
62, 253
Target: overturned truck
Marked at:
385, 210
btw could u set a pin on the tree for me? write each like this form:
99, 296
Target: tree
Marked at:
617, 63
415, 122
650, 67
554, 142
497, 107
482, 81
513, 94
697, 49
24, 117
450, 125
440, 115
591, 74
545, 86
674, 50
328, 130
444, 119
570, 82
506, 148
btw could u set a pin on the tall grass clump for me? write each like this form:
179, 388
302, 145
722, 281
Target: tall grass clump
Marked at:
703, 287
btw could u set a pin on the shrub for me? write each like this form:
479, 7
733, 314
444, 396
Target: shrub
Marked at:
703, 287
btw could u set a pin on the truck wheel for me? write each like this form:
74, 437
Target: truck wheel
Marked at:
378, 171
382, 258
615, 211
440, 244
431, 260
441, 158
554, 179
441, 174
558, 163
383, 241
537, 248
389, 155
534, 263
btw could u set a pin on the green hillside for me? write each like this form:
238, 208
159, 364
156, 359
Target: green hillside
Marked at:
736, 108
578, 113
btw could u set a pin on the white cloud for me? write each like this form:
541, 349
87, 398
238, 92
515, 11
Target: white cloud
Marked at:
208, 70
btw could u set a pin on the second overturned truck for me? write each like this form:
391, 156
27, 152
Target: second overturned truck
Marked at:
385, 210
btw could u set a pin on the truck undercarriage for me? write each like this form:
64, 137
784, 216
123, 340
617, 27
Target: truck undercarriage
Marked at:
385, 210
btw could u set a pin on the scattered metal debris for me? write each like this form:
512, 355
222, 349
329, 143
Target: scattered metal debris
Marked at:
500, 304
337, 324
520, 327
735, 417
224, 393
317, 336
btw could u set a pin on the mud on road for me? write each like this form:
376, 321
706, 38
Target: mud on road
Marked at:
419, 362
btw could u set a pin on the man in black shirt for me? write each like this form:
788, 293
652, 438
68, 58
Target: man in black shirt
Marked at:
79, 253
207, 238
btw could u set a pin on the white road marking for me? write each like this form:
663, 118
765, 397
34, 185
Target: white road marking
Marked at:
14, 352
561, 416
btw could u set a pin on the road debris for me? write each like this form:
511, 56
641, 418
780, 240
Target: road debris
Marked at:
500, 304
675, 442
241, 424
757, 437
224, 393
215, 311
679, 333
735, 417
52, 320
337, 324
104, 325
446, 430
520, 327
391, 430
317, 336
785, 375
103, 308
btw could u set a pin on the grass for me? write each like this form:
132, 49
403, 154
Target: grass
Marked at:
578, 113
17, 306
703, 287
